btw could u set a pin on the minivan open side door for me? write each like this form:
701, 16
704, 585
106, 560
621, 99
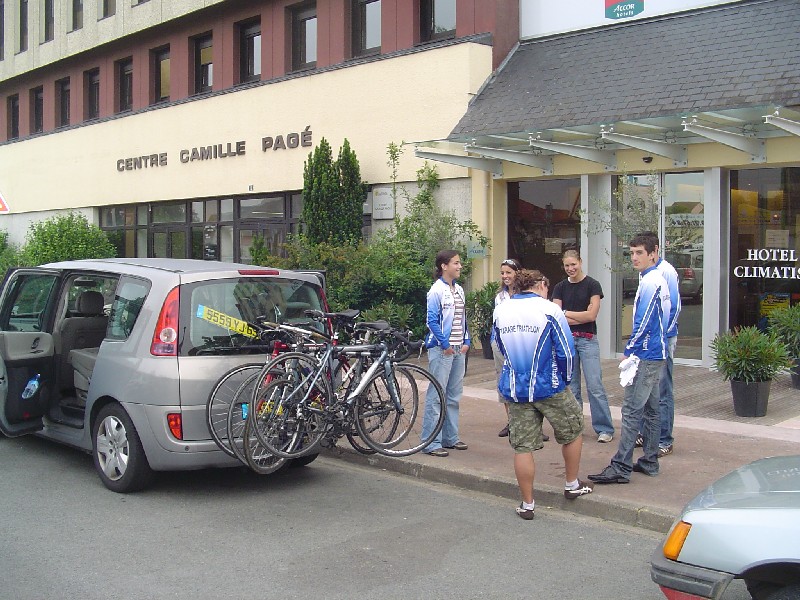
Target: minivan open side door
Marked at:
26, 348
23, 356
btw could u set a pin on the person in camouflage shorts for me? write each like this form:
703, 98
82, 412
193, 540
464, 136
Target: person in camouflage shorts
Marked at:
534, 337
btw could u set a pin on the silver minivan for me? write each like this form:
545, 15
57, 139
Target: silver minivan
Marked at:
118, 357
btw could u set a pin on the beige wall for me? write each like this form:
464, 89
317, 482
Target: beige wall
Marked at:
414, 97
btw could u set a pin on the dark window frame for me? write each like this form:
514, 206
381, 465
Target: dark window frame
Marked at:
12, 109
77, 15
37, 109
159, 56
203, 71
250, 51
427, 22
360, 28
48, 20
23, 25
301, 15
91, 82
2, 29
124, 72
108, 8
62, 102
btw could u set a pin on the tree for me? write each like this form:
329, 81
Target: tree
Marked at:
65, 237
333, 195
10, 254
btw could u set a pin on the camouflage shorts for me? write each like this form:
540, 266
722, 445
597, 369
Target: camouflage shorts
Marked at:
561, 410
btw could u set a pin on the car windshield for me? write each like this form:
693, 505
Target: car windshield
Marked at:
679, 260
220, 313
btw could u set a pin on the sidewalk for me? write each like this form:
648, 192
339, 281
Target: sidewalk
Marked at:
705, 448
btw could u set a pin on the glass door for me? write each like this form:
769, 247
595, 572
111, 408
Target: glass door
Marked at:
678, 218
170, 242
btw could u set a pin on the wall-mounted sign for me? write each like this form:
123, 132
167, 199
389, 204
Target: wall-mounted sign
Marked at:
3, 205
215, 151
623, 10
475, 250
770, 271
382, 204
538, 18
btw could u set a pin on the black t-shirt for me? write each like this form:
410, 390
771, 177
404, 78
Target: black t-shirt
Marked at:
576, 297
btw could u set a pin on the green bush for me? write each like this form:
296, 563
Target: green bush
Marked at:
10, 254
65, 237
388, 278
749, 354
785, 323
480, 309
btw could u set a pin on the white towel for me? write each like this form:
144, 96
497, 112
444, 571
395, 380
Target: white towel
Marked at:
627, 370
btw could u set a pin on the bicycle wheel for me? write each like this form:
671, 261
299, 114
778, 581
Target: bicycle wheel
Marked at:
288, 415
395, 428
258, 457
219, 401
237, 416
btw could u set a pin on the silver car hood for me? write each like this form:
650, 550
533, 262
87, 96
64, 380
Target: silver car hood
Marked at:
767, 483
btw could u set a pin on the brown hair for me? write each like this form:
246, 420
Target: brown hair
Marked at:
572, 253
442, 258
528, 278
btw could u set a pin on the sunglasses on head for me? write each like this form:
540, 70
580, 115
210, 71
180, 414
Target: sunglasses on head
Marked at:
510, 262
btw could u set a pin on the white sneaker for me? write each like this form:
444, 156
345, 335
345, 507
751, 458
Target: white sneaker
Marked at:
604, 438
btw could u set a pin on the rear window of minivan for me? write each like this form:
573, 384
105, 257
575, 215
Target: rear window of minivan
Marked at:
217, 316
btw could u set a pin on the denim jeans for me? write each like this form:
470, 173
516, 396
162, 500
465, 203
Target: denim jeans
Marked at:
640, 406
449, 372
587, 358
666, 402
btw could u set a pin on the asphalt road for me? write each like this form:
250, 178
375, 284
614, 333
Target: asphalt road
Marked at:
331, 530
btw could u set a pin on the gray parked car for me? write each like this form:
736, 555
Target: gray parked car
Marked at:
744, 526
118, 357
689, 265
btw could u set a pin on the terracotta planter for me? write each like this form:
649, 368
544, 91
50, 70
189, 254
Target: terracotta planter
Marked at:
750, 398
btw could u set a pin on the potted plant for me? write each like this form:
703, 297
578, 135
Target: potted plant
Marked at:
785, 323
750, 359
480, 310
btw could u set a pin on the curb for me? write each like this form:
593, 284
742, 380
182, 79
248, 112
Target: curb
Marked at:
592, 506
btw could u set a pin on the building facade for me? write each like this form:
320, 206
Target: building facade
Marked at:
693, 104
182, 127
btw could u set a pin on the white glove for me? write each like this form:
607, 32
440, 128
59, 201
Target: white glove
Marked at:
627, 370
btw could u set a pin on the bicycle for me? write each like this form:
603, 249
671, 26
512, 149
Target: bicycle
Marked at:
298, 410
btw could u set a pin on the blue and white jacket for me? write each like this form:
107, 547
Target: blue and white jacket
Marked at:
651, 313
534, 337
441, 309
671, 277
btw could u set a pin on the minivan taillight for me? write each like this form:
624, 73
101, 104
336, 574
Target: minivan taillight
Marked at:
165, 337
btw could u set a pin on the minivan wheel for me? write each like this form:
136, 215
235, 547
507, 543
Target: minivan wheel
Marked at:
118, 454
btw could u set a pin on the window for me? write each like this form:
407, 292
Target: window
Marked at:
77, 14
127, 305
62, 102
29, 294
23, 25
304, 38
161, 75
366, 27
37, 110
250, 51
107, 8
438, 19
49, 20
203, 64
91, 82
125, 84
13, 117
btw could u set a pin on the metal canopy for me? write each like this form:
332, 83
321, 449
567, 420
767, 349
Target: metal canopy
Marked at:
678, 154
746, 143
745, 129
545, 163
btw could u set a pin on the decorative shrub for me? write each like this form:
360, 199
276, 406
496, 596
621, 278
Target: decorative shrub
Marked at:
748, 354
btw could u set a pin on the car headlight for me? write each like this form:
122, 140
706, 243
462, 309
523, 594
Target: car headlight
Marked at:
675, 540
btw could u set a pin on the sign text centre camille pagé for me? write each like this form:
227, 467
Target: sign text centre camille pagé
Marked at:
215, 151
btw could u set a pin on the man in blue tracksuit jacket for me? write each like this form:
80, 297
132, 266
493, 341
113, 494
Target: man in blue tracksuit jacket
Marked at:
648, 345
